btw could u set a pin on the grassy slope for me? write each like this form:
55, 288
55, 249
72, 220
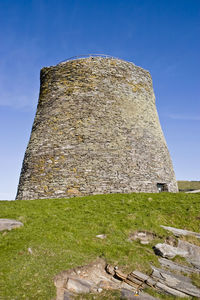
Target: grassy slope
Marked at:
61, 234
188, 185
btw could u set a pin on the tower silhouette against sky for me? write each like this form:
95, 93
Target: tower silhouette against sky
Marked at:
96, 131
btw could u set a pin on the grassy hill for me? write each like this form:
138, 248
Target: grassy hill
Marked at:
184, 185
62, 234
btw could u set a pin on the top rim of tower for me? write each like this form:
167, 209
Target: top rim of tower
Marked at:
85, 56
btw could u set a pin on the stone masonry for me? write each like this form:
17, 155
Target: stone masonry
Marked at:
96, 131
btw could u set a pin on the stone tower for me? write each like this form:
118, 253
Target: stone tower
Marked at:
96, 131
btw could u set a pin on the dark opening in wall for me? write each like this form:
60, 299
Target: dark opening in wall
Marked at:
162, 187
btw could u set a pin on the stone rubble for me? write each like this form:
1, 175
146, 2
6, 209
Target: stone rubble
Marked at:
99, 276
169, 282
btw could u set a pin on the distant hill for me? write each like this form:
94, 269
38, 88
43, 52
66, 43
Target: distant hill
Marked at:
184, 185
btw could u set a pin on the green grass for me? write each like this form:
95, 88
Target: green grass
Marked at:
62, 234
188, 185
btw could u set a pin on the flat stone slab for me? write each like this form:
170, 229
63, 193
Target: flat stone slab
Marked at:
176, 267
169, 251
193, 192
167, 290
9, 224
178, 283
193, 252
79, 286
189, 251
177, 232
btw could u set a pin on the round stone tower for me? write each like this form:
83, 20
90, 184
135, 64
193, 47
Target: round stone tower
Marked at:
96, 131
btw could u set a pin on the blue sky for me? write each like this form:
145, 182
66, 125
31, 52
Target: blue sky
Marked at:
162, 36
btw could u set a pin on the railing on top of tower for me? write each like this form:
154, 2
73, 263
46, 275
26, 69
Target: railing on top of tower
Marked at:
89, 55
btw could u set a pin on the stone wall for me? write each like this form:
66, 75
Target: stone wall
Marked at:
96, 131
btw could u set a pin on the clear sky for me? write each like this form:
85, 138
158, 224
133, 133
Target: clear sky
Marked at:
162, 36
